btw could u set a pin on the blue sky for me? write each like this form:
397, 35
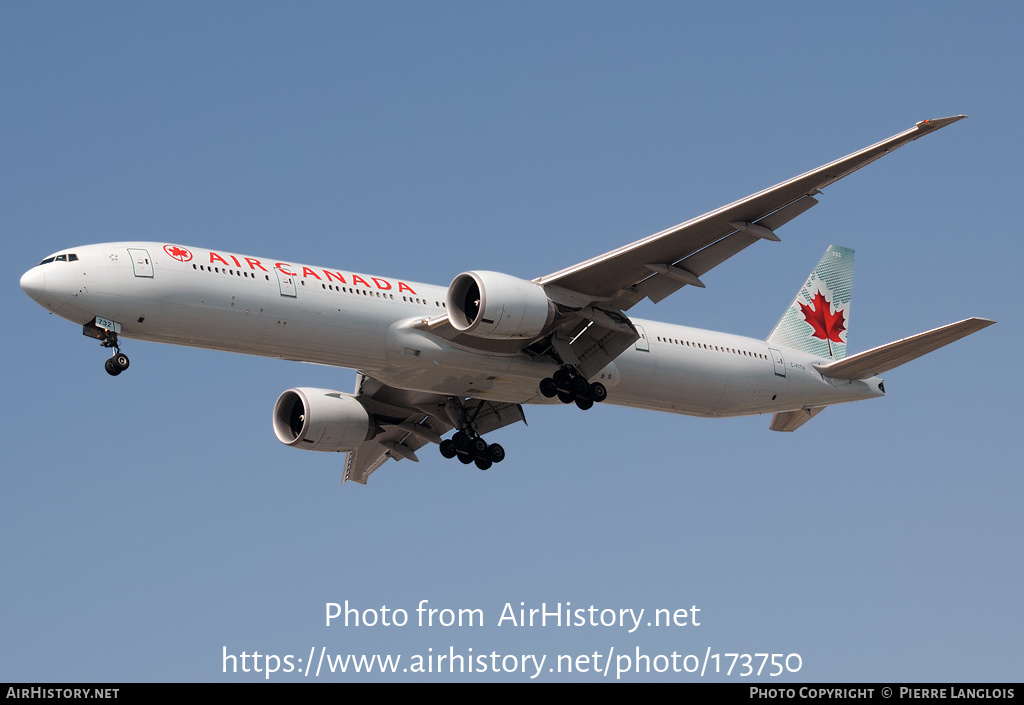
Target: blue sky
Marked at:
153, 520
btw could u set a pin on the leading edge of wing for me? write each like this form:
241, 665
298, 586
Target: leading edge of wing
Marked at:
608, 274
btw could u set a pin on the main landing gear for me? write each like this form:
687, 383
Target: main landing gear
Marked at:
472, 449
466, 444
570, 386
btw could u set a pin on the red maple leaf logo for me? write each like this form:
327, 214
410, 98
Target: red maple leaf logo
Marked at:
178, 253
826, 324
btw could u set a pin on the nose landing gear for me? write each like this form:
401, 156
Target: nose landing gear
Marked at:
116, 364
105, 331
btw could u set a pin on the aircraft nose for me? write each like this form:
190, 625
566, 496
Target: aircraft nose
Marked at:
34, 282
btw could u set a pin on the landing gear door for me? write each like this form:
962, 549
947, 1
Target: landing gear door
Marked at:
778, 361
641, 343
287, 282
141, 262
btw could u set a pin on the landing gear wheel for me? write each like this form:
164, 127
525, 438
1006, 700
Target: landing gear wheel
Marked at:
118, 362
565, 397
597, 392
479, 448
466, 444
548, 387
584, 403
579, 386
495, 453
562, 378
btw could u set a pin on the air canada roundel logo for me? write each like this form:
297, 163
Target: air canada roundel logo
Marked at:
178, 253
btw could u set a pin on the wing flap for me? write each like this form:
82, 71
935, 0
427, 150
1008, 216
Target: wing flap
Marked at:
370, 455
713, 255
599, 346
495, 415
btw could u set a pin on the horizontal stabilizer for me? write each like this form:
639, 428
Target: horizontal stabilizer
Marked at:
792, 420
883, 358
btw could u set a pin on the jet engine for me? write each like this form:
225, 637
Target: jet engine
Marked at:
321, 419
495, 305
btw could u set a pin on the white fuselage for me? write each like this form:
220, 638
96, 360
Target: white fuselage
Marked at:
213, 299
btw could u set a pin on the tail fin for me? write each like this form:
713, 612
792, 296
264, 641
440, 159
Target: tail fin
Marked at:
819, 317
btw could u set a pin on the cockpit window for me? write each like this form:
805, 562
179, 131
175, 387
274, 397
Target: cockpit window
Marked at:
61, 258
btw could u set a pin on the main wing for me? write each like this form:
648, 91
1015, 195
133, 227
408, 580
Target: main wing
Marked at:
664, 262
592, 328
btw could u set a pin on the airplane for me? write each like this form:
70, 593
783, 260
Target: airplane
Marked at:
467, 357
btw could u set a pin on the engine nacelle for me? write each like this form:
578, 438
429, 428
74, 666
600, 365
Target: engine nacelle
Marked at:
495, 305
321, 419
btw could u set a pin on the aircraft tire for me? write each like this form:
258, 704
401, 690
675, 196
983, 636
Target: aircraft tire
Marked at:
597, 392
479, 448
448, 449
579, 386
584, 403
495, 453
112, 369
